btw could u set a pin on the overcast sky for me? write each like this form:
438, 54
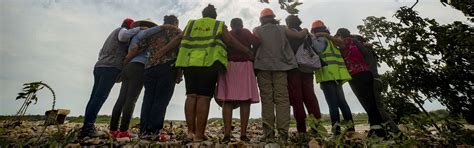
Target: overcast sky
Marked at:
58, 41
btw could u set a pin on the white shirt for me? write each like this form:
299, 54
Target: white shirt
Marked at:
124, 34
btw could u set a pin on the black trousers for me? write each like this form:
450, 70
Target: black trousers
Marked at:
132, 84
362, 84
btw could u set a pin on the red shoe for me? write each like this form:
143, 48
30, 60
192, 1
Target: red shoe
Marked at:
114, 134
164, 137
124, 134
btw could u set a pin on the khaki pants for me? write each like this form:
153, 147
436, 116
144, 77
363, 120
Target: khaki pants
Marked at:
273, 87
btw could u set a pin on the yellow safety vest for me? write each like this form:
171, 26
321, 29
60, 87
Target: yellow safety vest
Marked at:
336, 69
202, 44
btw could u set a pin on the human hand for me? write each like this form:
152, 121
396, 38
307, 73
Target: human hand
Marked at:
179, 76
250, 54
305, 30
168, 26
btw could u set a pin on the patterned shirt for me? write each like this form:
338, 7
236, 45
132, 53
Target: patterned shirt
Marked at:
155, 42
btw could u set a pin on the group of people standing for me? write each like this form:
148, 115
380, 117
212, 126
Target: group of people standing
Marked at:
228, 65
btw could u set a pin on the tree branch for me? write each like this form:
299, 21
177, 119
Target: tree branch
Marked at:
414, 4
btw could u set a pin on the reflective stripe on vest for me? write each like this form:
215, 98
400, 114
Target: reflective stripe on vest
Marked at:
202, 45
335, 69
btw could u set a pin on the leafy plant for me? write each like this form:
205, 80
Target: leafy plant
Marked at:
29, 95
316, 124
287, 5
428, 61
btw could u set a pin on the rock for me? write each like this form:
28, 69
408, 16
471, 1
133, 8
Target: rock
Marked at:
93, 141
192, 145
219, 145
207, 144
123, 140
73, 145
271, 145
32, 141
313, 143
464, 146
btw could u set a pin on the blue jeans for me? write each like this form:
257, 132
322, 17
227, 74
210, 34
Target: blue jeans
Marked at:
335, 98
159, 87
104, 80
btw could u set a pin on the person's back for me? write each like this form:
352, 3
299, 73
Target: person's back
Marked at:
106, 71
202, 44
273, 59
113, 51
353, 57
332, 75
300, 84
202, 56
237, 87
247, 39
274, 52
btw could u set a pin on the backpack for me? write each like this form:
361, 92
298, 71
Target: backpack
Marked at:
306, 57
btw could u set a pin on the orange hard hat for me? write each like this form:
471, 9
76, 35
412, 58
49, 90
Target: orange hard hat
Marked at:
318, 24
266, 12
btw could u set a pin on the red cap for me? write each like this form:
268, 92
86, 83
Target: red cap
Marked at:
266, 12
128, 22
318, 24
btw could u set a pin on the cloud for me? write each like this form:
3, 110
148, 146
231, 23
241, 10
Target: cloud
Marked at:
57, 41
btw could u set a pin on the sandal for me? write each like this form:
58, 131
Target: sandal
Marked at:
188, 139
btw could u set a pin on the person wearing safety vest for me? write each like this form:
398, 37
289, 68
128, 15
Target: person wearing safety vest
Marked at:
332, 75
202, 55
273, 58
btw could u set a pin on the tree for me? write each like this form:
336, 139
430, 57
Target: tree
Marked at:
466, 6
288, 5
429, 61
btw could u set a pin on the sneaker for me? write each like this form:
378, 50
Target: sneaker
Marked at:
125, 134
114, 133
163, 137
147, 137
92, 133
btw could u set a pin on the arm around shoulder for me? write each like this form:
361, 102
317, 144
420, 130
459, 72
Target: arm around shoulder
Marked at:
125, 34
294, 34
230, 40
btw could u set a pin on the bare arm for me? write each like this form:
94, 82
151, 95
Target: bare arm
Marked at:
254, 40
125, 34
230, 40
132, 53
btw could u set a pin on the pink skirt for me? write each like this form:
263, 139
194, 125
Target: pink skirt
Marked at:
238, 83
